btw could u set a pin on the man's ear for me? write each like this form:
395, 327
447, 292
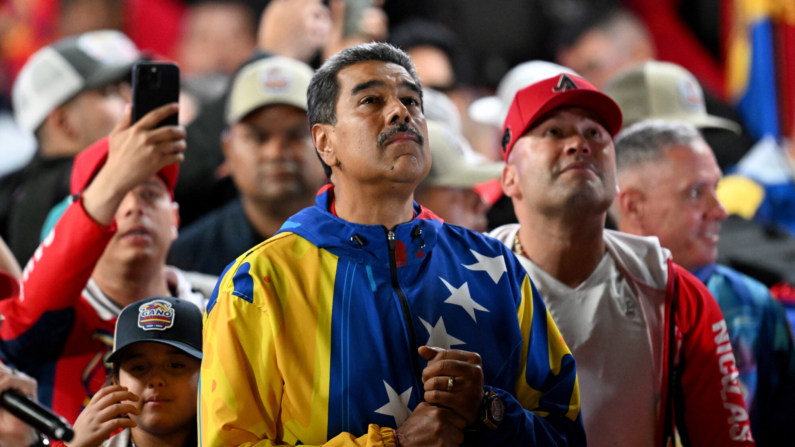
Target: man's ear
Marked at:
632, 206
226, 142
224, 170
60, 122
322, 136
510, 182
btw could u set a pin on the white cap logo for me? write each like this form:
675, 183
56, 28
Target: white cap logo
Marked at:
109, 47
690, 94
275, 81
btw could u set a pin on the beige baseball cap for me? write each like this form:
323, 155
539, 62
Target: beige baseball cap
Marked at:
455, 163
272, 80
661, 90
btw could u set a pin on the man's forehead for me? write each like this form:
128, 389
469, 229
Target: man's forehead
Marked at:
696, 157
388, 72
566, 112
263, 116
156, 181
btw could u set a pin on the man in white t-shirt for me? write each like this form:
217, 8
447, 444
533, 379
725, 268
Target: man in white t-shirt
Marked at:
649, 340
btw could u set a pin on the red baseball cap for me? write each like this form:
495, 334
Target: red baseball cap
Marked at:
563, 90
88, 163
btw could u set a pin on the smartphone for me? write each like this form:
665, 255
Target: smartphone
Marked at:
155, 84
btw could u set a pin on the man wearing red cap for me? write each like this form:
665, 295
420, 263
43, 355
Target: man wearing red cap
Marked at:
651, 345
107, 250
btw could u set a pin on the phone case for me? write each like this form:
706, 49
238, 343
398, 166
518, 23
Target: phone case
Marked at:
154, 85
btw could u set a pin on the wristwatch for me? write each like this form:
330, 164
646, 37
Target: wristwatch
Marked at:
492, 409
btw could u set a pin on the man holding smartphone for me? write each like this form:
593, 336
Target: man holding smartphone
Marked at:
107, 250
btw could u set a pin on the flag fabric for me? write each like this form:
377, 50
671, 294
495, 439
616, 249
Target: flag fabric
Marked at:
751, 68
759, 46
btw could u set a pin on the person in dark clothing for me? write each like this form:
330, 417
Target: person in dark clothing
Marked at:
269, 154
70, 94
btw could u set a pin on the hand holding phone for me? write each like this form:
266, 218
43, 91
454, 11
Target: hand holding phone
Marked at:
155, 84
135, 153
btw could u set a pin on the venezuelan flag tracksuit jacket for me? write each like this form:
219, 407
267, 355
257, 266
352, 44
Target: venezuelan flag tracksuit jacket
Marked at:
311, 337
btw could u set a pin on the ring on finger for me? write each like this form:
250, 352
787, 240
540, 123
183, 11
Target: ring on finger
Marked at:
450, 384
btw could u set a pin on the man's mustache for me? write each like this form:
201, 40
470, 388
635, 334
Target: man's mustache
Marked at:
392, 131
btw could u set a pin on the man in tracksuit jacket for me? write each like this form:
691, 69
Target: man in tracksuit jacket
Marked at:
107, 250
367, 321
652, 348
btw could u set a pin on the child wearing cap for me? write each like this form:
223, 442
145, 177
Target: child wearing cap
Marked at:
152, 389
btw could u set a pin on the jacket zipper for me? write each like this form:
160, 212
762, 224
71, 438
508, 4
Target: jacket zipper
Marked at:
404, 304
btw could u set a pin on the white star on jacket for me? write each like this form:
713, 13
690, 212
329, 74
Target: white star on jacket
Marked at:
398, 406
495, 266
461, 297
439, 338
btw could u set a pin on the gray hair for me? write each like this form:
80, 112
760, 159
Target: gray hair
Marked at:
647, 140
324, 89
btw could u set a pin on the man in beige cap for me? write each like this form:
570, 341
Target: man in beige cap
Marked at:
666, 91
269, 154
448, 190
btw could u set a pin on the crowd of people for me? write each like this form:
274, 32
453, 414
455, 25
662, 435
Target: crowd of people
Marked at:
342, 244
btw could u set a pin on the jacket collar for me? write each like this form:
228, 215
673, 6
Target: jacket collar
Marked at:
364, 243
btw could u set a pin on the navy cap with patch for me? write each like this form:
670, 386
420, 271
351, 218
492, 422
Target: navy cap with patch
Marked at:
166, 320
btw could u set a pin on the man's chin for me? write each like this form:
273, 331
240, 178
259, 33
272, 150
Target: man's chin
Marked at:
134, 254
408, 169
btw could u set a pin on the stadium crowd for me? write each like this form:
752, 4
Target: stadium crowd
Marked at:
609, 236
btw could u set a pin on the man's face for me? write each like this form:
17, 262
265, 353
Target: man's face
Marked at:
458, 206
147, 224
598, 57
433, 67
95, 113
380, 135
682, 208
565, 162
217, 38
271, 157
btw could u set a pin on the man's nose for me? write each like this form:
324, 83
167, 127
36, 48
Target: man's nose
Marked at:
577, 144
273, 148
716, 211
131, 205
397, 112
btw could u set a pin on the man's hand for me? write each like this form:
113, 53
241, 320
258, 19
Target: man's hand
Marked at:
294, 28
431, 426
465, 368
136, 153
14, 432
100, 418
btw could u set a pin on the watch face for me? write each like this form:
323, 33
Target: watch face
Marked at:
497, 410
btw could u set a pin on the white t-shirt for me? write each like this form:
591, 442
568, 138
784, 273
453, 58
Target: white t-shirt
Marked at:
616, 374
